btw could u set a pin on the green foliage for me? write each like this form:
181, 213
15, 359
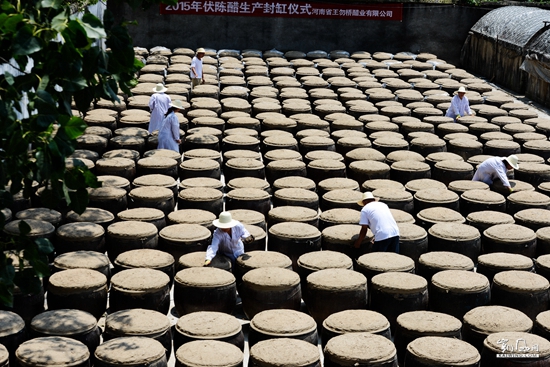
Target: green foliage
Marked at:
35, 138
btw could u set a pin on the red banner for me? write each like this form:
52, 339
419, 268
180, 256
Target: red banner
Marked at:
286, 9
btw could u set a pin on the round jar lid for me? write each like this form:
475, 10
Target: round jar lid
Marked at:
141, 214
200, 194
493, 342
446, 260
436, 196
360, 349
131, 229
73, 281
157, 162
505, 261
385, 261
81, 259
443, 351
141, 280
192, 216
137, 322
493, 319
424, 184
292, 214
411, 232
395, 282
320, 260
294, 230
207, 277
154, 193
130, 351
63, 322
337, 280
52, 351
208, 325
275, 352
10, 323
264, 259
529, 198
248, 183
341, 215
185, 233
144, 258
392, 195
429, 322
490, 217
283, 323
248, 194
440, 214
483, 196
214, 353
272, 278
80, 231
454, 232
296, 194
199, 182
94, 215
510, 233
460, 281
39, 228
342, 233
43, 214
356, 321
519, 281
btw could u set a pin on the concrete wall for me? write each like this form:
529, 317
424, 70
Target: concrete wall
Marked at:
438, 29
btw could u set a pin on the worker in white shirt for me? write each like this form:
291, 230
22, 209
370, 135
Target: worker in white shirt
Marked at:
460, 106
493, 170
228, 239
197, 76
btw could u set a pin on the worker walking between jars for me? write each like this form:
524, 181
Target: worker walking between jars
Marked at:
169, 132
158, 105
492, 171
197, 76
377, 217
460, 106
228, 239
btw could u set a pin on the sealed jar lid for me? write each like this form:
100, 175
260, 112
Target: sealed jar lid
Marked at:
320, 260
385, 261
141, 214
10, 323
81, 259
206, 277
371, 185
141, 280
94, 215
508, 233
436, 196
157, 162
248, 194
296, 182
43, 214
392, 195
296, 194
340, 215
137, 322
529, 198
440, 350
294, 230
493, 319
424, 184
144, 258
151, 193
192, 216
440, 214
39, 228
460, 281
539, 217
73, 281
52, 351
292, 214
356, 321
208, 325
493, 342
283, 323
200, 194
63, 322
342, 233
395, 282
272, 278
429, 322
275, 352
360, 349
80, 231
263, 259
212, 353
185, 233
130, 351
131, 229
519, 281
199, 164
446, 260
460, 186
248, 183
336, 280
411, 232
454, 231
343, 196
490, 217
505, 261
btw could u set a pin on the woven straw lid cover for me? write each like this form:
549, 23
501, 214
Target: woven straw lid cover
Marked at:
248, 194
385, 261
336, 280
105, 193
199, 164
38, 227
294, 230
80, 231
436, 196
424, 184
343, 196
131, 229
510, 233
200, 194
392, 194
354, 349
81, 259
185, 232
397, 282
141, 214
440, 350
355, 321
204, 277
320, 260
145, 258
157, 162
454, 231
137, 322
287, 323
208, 325
519, 281
73, 281
44, 214
129, 351
342, 233
493, 319
529, 198
209, 353
52, 351
10, 323
411, 232
283, 352
140, 280
506, 261
95, 215
446, 260
272, 278
440, 214
492, 342
460, 281
296, 194
63, 322
429, 322
293, 214
263, 259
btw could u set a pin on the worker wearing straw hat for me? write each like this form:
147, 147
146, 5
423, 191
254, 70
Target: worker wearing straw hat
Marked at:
169, 132
377, 217
197, 76
228, 239
493, 170
460, 106
158, 105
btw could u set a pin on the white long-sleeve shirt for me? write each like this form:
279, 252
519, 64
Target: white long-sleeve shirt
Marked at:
230, 246
459, 107
169, 133
491, 169
158, 105
197, 64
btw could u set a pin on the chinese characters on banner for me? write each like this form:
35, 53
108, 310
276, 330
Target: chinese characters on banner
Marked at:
286, 9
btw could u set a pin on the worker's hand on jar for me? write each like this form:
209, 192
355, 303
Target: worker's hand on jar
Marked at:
206, 262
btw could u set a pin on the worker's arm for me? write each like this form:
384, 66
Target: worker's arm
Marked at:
362, 234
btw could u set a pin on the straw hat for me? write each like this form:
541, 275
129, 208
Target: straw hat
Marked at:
366, 196
513, 161
177, 104
461, 90
160, 88
225, 221
200, 50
